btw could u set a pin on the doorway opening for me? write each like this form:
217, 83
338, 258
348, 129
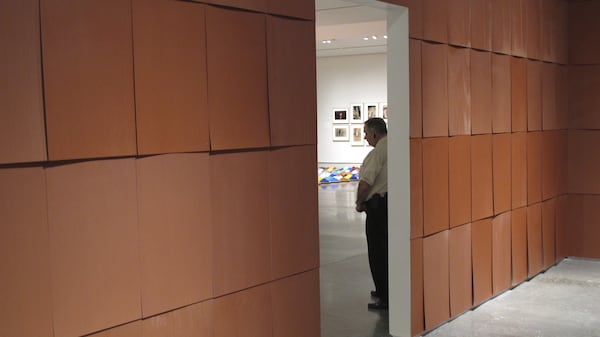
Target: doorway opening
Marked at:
364, 75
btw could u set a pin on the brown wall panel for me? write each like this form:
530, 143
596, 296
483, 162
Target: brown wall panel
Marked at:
92, 215
550, 164
590, 213
481, 247
518, 71
416, 188
435, 185
481, 24
501, 26
292, 93
534, 95
559, 22
459, 91
501, 171
482, 180
584, 162
532, 28
562, 159
481, 92
460, 180
534, 167
519, 169
563, 232
133, 329
416, 92
248, 313
584, 28
459, 23
254, 5
549, 97
501, 252
519, 245
534, 238
435, 20
194, 320
170, 76
22, 134
24, 254
584, 101
175, 231
501, 98
241, 231
461, 274
574, 225
435, 89
549, 232
298, 9
436, 279
416, 286
88, 84
562, 96
518, 26
237, 79
293, 209
296, 306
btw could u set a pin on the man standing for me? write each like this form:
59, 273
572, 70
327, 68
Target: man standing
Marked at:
371, 197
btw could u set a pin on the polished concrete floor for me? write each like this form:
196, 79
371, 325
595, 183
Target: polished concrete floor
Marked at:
564, 301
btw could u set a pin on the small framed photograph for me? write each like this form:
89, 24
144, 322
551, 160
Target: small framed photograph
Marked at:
340, 133
356, 135
383, 110
372, 110
340, 115
357, 112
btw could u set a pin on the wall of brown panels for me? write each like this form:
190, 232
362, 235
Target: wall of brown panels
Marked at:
169, 40
127, 228
92, 70
498, 99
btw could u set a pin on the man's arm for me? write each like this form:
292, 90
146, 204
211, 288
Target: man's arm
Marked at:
361, 196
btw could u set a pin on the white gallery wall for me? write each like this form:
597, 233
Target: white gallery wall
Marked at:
342, 81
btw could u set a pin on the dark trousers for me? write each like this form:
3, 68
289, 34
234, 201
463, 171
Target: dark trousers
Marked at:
377, 243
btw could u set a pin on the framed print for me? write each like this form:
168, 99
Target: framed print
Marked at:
340, 133
383, 110
357, 112
340, 115
372, 110
356, 135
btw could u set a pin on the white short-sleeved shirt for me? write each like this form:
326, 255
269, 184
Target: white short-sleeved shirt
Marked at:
374, 169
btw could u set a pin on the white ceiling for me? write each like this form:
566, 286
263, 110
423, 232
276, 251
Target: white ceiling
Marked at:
346, 23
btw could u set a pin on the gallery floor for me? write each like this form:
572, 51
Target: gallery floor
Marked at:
563, 301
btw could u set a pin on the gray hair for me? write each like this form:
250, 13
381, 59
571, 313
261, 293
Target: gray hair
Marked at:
376, 125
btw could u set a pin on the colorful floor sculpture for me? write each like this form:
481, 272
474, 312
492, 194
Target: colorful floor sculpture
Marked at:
337, 175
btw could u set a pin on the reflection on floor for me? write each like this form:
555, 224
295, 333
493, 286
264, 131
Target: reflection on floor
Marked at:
345, 276
563, 301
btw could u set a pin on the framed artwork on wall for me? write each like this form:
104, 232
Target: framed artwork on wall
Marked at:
340, 115
357, 112
383, 110
372, 110
340, 133
356, 135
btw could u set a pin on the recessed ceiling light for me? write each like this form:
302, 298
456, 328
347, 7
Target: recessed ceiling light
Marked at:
374, 37
365, 38
385, 36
